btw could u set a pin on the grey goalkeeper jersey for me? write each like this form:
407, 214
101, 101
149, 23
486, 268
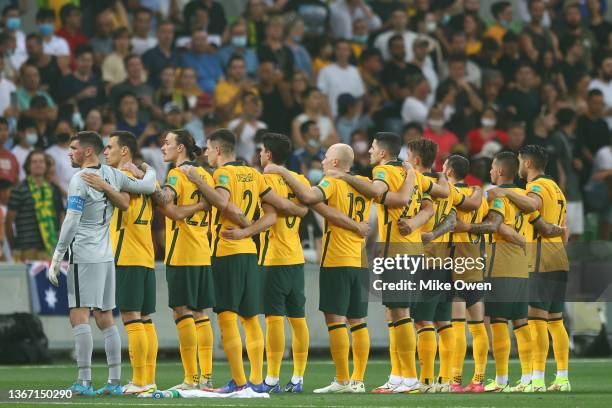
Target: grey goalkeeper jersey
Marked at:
85, 231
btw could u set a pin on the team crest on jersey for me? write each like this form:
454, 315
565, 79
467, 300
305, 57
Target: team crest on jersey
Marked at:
223, 179
498, 203
172, 180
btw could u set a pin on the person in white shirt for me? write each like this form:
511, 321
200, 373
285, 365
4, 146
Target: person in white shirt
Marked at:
142, 39
52, 44
399, 25
6, 87
246, 126
340, 77
345, 12
415, 107
314, 111
12, 23
26, 139
604, 84
59, 152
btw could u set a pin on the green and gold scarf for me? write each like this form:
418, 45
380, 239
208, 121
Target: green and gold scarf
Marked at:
45, 213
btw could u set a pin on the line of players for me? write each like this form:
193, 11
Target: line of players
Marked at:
419, 212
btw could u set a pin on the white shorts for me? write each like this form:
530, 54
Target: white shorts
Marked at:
575, 217
92, 285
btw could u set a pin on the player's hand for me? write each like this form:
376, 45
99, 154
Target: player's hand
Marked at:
363, 229
132, 168
94, 181
405, 226
54, 271
494, 193
190, 172
407, 166
335, 174
272, 169
233, 234
426, 237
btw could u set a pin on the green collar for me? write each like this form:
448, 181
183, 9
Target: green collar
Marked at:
235, 163
188, 162
462, 184
510, 185
393, 163
430, 174
542, 176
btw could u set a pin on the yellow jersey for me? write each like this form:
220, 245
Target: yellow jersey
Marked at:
281, 245
551, 250
187, 240
470, 217
130, 232
340, 246
245, 186
393, 175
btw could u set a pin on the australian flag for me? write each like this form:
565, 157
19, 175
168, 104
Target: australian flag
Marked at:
46, 298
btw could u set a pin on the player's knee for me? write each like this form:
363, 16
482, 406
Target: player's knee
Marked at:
422, 323
332, 318
353, 322
180, 311
104, 319
537, 312
130, 316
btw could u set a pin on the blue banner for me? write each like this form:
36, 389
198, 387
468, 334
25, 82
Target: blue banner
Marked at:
46, 298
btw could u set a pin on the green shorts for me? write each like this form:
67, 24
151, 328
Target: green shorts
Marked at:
238, 284
504, 290
343, 291
191, 286
433, 305
547, 290
283, 290
135, 289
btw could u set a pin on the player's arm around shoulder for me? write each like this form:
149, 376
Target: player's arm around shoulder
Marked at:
339, 219
368, 188
118, 199
306, 194
401, 197
264, 222
493, 219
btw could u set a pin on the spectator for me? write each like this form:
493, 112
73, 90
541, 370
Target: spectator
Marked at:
83, 88
592, 132
492, 86
359, 41
536, 38
162, 55
523, 101
59, 151
340, 77
573, 66
564, 140
173, 117
102, 41
30, 87
473, 34
52, 44
510, 59
436, 132
604, 83
313, 110
217, 19
541, 136
398, 23
324, 52
574, 27
203, 108
167, 92
488, 130
420, 61
577, 97
311, 151
113, 66
43, 116
152, 154
136, 84
350, 117
293, 38
36, 210
142, 40
345, 12
48, 67
315, 13
274, 48
204, 60
273, 99
299, 83
597, 24
246, 125
360, 143
410, 131
196, 21
599, 188
255, 14
457, 49
128, 118
188, 86
516, 136
5, 195
70, 16
9, 167
93, 121
11, 21
229, 92
415, 108
238, 45
502, 13
25, 140
370, 67
396, 70
7, 87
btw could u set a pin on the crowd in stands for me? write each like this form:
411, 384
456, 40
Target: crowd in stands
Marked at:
322, 72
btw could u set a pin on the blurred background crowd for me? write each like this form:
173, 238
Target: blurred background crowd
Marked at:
476, 77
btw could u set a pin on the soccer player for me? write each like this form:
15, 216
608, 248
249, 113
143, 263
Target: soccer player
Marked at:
91, 277
433, 310
400, 192
548, 277
130, 233
282, 263
343, 278
468, 303
234, 262
188, 270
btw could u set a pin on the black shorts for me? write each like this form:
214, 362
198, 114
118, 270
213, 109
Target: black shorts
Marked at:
547, 290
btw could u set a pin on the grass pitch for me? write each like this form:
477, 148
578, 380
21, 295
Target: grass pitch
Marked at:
591, 385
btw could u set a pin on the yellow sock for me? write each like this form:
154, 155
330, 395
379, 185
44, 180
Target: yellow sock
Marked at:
232, 345
395, 364
255, 347
447, 349
339, 348
361, 350
405, 344
152, 346
275, 344
205, 348
300, 341
525, 346
480, 349
427, 347
188, 342
460, 349
501, 347
539, 334
137, 349
560, 342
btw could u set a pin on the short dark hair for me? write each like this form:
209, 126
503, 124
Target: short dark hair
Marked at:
459, 164
305, 127
35, 36
594, 92
130, 57
66, 10
91, 139
565, 116
309, 91
369, 53
126, 139
508, 161
279, 145
225, 138
457, 58
425, 149
413, 125
184, 137
498, 8
235, 57
393, 38
389, 141
83, 49
536, 154
142, 9
8, 8
44, 13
